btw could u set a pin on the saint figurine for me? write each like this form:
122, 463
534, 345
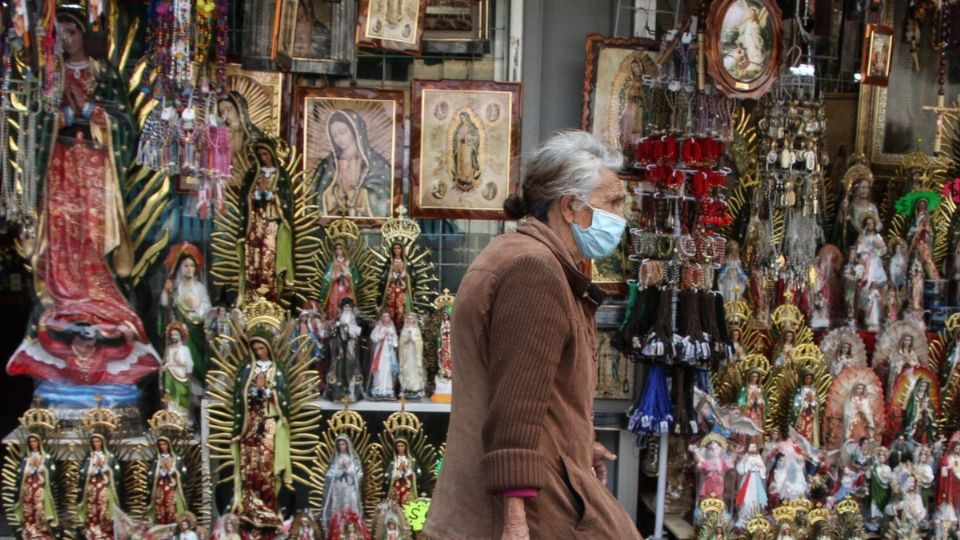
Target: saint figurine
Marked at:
344, 377
383, 361
759, 301
903, 360
856, 204
339, 282
914, 311
98, 491
789, 479
712, 462
858, 421
852, 273
186, 527
753, 403
185, 299
785, 352
732, 278
354, 179
86, 332
397, 292
413, 378
308, 325
261, 438
870, 250
897, 267
466, 168
805, 410
444, 352
35, 508
920, 238
873, 309
880, 476
343, 485
177, 367
167, 472
402, 474
891, 303
920, 415
218, 326
948, 488
266, 210
752, 491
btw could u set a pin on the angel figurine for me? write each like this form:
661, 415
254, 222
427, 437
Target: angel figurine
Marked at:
343, 483
752, 491
35, 507
713, 460
383, 363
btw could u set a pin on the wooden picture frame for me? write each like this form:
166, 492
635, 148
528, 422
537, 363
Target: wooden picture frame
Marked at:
744, 46
399, 28
313, 36
456, 20
368, 123
472, 178
613, 92
891, 121
877, 54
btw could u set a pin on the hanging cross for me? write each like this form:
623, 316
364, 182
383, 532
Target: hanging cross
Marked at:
940, 110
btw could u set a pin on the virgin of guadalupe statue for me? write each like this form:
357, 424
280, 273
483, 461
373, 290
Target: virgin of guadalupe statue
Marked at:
383, 362
805, 410
185, 299
339, 282
412, 376
402, 474
165, 481
920, 414
98, 490
465, 166
397, 291
347, 525
35, 509
354, 180
752, 401
266, 210
86, 333
444, 351
260, 437
903, 360
343, 484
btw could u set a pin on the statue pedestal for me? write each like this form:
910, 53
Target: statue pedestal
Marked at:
444, 391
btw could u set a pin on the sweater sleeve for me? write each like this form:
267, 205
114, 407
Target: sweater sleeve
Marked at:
529, 329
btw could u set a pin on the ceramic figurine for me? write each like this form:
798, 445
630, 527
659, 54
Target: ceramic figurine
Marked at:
384, 366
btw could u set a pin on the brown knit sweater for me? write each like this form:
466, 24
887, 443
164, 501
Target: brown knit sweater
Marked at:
524, 375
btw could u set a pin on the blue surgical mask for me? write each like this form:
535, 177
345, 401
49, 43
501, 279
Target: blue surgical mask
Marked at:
603, 235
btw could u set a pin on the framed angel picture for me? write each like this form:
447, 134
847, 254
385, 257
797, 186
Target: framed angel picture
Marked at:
352, 147
743, 46
465, 148
394, 25
613, 91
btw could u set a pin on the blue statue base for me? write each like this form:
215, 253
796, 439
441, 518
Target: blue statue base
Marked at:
65, 395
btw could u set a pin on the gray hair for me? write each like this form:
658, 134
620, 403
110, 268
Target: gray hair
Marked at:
568, 162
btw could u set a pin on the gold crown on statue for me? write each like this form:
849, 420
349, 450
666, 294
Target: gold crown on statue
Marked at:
784, 512
712, 505
737, 312
342, 229
855, 174
400, 229
759, 525
755, 362
168, 423
953, 322
99, 420
263, 312
444, 301
917, 161
848, 506
39, 421
801, 505
787, 317
819, 514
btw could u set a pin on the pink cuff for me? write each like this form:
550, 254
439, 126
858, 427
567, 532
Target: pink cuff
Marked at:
523, 493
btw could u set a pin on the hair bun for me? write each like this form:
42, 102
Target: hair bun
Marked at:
515, 207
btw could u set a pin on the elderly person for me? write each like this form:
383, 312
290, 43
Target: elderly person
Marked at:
521, 460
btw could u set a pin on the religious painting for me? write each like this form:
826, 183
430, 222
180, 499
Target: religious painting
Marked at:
394, 25
352, 147
614, 371
893, 123
250, 109
743, 46
312, 36
614, 92
465, 152
456, 20
877, 52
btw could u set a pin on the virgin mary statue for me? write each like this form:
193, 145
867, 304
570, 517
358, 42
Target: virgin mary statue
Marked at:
344, 479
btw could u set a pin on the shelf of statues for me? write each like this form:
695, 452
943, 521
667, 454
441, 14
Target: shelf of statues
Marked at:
367, 405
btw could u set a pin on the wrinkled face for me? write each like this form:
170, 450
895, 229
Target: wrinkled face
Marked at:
342, 135
261, 350
188, 267
71, 38
265, 157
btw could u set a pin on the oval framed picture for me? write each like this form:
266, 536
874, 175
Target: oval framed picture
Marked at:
744, 46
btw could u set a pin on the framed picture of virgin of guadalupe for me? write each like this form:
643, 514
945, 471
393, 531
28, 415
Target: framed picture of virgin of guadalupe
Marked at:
465, 148
352, 150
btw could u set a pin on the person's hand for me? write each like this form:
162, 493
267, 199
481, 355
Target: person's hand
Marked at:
514, 520
600, 456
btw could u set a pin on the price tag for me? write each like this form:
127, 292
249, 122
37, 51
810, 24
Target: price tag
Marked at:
416, 513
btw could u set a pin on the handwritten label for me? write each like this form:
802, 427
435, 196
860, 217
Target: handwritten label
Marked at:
416, 513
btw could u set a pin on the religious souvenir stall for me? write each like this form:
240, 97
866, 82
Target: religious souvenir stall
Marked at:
235, 232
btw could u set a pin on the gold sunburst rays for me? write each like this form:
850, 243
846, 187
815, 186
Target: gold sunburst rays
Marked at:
423, 273
841, 390
735, 377
346, 233
263, 92
136, 488
302, 385
405, 425
783, 385
69, 484
9, 474
351, 425
950, 410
